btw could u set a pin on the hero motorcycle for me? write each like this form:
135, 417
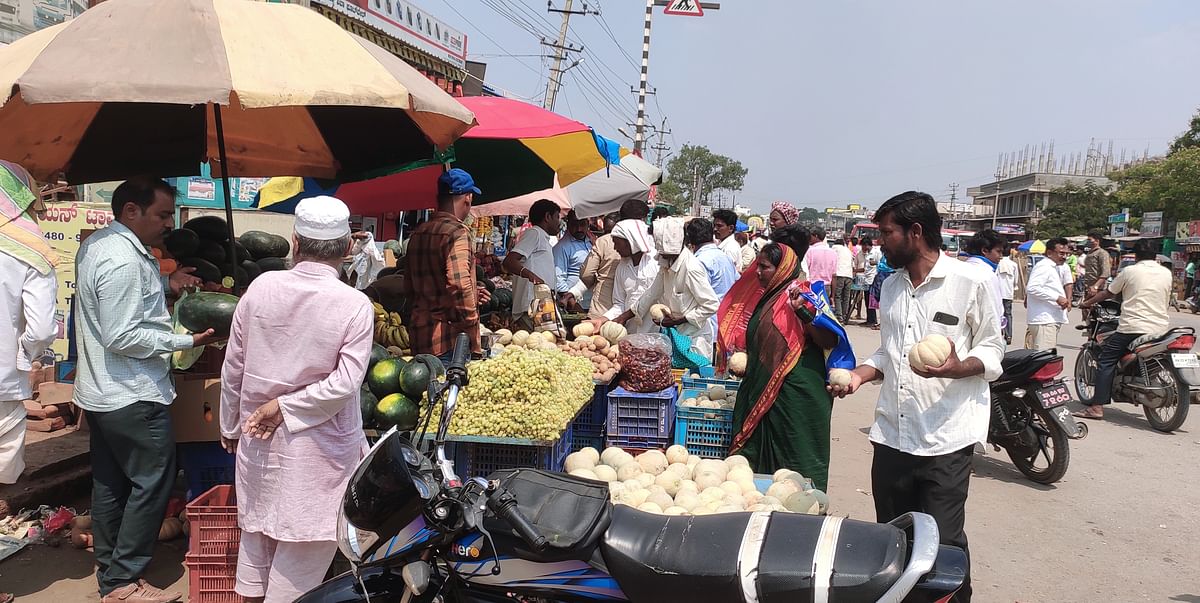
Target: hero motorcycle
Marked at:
414, 531
1160, 373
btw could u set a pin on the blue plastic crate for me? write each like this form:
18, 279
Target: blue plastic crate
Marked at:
581, 440
637, 415
636, 445
593, 417
690, 382
205, 465
481, 458
705, 432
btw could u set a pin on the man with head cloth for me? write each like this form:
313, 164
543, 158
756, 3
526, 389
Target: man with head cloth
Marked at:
298, 351
633, 276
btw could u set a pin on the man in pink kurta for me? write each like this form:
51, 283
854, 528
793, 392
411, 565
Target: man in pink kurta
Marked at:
297, 353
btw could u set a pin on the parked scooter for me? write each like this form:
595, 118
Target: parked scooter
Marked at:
414, 531
1030, 417
1159, 373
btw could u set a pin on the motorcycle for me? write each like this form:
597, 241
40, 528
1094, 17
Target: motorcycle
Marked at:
415, 532
1159, 373
1030, 418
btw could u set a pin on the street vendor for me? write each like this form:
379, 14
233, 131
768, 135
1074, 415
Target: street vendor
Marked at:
440, 274
682, 285
596, 274
569, 255
289, 407
531, 260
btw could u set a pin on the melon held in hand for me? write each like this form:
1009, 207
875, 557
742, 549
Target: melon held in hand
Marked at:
930, 352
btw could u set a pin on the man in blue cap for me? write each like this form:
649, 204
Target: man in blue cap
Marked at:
440, 278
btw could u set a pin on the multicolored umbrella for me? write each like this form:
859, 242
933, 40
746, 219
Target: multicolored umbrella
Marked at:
1032, 247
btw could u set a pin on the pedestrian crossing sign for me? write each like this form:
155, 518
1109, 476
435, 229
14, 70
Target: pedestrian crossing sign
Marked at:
690, 8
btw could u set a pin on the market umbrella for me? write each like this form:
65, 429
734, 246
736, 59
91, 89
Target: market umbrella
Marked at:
597, 194
256, 89
1033, 247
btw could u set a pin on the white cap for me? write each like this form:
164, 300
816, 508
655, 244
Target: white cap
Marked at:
668, 235
322, 218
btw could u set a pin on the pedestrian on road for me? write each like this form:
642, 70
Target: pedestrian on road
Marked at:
820, 263
123, 383
724, 223
782, 413
27, 298
984, 250
440, 272
870, 258
721, 270
1145, 290
570, 253
1046, 298
782, 214
1006, 270
1097, 265
795, 236
928, 422
531, 260
289, 407
1190, 278
681, 285
843, 279
596, 274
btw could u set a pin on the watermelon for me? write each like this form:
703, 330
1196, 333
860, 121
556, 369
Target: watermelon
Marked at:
269, 264
252, 270
367, 402
384, 377
212, 251
205, 310
212, 228
378, 353
503, 299
181, 243
205, 270
397, 410
264, 244
414, 379
240, 250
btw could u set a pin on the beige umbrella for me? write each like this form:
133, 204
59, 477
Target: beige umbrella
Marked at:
159, 86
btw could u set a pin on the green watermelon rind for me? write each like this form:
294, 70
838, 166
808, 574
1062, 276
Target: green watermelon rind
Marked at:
205, 310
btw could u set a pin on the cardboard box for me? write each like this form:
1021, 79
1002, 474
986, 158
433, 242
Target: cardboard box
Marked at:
195, 414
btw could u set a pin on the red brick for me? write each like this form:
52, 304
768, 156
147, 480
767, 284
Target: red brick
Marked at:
55, 393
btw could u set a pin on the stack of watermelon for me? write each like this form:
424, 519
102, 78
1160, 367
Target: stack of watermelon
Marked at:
391, 393
203, 243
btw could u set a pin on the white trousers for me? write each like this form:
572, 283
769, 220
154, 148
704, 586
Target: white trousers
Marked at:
278, 570
12, 440
1042, 337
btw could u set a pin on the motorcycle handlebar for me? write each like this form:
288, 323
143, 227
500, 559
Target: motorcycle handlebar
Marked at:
457, 371
503, 505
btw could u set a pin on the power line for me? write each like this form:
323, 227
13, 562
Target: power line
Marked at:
608, 30
493, 40
584, 85
599, 115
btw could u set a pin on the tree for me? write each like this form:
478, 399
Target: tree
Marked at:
696, 173
810, 215
1075, 210
1170, 185
1189, 139
669, 195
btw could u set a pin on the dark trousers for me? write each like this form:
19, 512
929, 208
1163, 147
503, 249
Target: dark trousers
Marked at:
1111, 352
871, 319
935, 485
133, 471
841, 296
1007, 320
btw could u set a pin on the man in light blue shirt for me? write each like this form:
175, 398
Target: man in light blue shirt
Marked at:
123, 382
722, 273
569, 254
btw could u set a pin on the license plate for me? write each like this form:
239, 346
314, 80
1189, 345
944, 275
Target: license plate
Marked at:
1054, 395
1185, 360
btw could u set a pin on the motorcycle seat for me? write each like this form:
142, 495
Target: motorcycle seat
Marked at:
1019, 364
772, 557
1157, 338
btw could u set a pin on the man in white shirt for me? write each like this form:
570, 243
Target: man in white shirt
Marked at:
531, 260
682, 285
634, 275
928, 422
724, 227
843, 278
870, 255
1006, 270
1145, 290
27, 297
1046, 298
984, 250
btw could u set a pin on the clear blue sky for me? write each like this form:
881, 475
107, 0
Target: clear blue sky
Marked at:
828, 103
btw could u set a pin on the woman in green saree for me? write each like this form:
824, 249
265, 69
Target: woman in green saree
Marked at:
781, 418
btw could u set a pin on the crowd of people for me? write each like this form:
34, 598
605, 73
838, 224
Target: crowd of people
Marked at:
300, 342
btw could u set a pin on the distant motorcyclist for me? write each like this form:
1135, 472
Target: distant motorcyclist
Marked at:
1145, 289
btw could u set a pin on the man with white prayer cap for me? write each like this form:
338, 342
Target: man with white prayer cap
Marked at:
297, 354
682, 285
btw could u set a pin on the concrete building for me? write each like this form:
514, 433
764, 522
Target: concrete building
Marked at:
19, 18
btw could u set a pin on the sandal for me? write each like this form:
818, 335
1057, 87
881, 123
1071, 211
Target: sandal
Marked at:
7, 597
1083, 414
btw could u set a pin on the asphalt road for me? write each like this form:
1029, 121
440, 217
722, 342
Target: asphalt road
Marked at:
1120, 526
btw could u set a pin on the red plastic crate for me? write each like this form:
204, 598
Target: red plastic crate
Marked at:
213, 541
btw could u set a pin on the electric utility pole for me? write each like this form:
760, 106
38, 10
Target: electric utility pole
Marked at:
561, 48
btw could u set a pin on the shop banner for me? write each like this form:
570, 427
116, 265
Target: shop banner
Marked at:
63, 225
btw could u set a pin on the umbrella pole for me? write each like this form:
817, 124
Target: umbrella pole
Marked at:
231, 249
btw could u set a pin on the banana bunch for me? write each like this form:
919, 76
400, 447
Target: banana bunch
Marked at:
390, 330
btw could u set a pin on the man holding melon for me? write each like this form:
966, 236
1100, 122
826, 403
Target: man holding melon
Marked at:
298, 352
941, 345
